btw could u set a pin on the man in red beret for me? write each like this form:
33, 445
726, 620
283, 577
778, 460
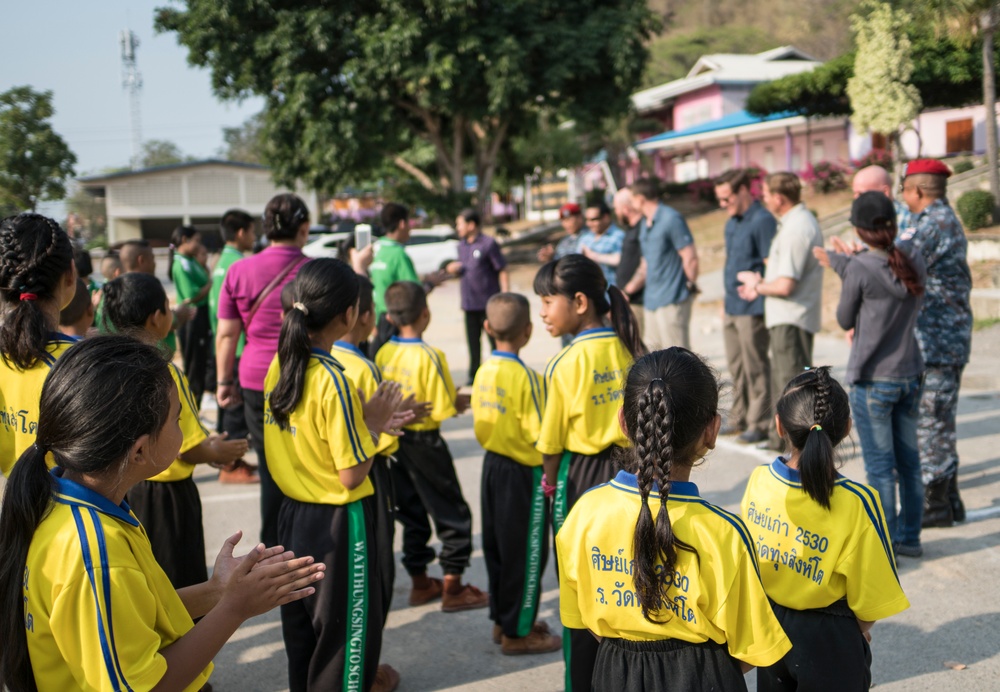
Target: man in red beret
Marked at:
944, 330
571, 219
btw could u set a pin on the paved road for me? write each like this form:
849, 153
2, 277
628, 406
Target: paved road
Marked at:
955, 613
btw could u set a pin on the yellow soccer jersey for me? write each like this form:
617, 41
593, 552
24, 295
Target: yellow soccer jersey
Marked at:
422, 371
716, 595
367, 377
20, 392
583, 388
98, 608
811, 557
327, 432
194, 431
507, 403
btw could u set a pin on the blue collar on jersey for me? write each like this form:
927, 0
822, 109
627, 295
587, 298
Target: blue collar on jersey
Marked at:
59, 336
403, 340
507, 354
594, 331
68, 492
782, 470
326, 356
350, 347
630, 482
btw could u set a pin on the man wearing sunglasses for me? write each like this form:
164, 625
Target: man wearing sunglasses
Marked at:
604, 242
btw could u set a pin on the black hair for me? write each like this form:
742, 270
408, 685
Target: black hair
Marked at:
84, 264
735, 178
366, 295
601, 206
670, 397
72, 313
131, 250
574, 274
390, 216
99, 398
35, 254
508, 315
129, 301
283, 216
815, 413
471, 216
647, 187
181, 234
324, 289
287, 296
405, 301
234, 221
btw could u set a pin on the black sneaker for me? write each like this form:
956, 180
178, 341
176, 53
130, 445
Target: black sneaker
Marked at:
751, 437
907, 550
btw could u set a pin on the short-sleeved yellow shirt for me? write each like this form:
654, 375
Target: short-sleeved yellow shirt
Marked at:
20, 392
583, 388
194, 432
507, 403
367, 377
98, 608
715, 595
422, 371
811, 556
327, 432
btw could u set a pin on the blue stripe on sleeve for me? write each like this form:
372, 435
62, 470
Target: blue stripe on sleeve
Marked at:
740, 529
434, 359
869, 502
348, 421
186, 393
102, 548
532, 384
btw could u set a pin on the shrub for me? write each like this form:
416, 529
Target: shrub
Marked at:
963, 166
875, 157
975, 208
826, 176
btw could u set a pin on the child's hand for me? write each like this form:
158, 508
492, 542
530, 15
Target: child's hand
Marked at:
419, 409
226, 451
265, 578
462, 402
226, 563
397, 421
378, 410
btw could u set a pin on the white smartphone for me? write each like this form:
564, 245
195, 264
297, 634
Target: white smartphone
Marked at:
362, 236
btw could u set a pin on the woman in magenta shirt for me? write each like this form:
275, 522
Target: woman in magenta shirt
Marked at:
250, 303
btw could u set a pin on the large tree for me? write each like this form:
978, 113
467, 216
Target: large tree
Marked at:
160, 152
348, 86
34, 160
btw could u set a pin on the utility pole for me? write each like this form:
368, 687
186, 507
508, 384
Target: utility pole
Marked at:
132, 83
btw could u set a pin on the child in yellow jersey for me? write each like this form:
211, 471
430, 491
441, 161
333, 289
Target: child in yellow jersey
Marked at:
168, 504
676, 598
425, 480
320, 449
37, 280
85, 604
580, 430
507, 404
825, 553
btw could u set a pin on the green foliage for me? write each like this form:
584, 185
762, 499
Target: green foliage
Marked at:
349, 85
672, 56
963, 166
160, 152
244, 143
826, 176
91, 211
34, 160
975, 208
882, 98
820, 92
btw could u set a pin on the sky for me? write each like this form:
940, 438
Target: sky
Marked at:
72, 49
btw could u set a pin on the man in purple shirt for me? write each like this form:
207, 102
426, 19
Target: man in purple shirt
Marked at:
484, 273
250, 303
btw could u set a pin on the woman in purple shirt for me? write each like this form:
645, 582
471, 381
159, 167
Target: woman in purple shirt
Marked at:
250, 303
484, 273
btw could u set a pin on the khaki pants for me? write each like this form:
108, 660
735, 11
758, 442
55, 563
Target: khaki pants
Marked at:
668, 326
746, 341
791, 354
639, 313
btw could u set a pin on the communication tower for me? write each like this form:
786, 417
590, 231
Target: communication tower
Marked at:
132, 82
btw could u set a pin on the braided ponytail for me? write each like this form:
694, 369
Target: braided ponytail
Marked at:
35, 254
670, 398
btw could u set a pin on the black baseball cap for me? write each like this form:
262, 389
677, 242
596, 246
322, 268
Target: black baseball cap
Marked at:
871, 207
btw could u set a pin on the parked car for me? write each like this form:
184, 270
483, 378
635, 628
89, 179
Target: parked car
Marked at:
429, 248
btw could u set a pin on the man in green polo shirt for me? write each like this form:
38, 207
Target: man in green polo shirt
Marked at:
237, 230
391, 264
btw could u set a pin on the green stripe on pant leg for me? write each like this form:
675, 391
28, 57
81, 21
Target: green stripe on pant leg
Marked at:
559, 502
357, 600
568, 659
533, 557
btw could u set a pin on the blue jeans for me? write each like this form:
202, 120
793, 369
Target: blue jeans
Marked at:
885, 415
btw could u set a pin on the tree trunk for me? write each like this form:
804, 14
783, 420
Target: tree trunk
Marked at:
988, 23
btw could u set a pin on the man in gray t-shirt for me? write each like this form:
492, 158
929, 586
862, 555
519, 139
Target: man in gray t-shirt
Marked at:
792, 284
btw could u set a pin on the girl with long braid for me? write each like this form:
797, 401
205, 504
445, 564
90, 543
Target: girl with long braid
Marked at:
675, 600
37, 280
825, 557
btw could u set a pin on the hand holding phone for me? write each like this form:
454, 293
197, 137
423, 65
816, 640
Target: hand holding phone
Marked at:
362, 236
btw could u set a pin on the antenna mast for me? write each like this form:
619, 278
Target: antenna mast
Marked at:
132, 83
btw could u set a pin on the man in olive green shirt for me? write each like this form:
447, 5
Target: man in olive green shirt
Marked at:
391, 264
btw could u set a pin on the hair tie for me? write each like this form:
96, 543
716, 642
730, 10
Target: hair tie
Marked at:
816, 427
29, 296
301, 308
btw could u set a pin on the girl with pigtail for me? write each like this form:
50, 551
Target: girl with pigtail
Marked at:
37, 280
320, 438
675, 599
826, 560
580, 431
